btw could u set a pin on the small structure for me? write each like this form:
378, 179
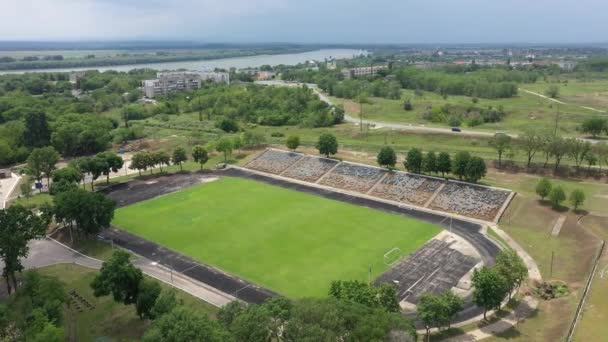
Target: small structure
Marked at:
169, 82
5, 173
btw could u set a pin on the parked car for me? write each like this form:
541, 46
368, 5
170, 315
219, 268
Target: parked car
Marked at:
456, 129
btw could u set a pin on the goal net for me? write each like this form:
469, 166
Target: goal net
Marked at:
392, 256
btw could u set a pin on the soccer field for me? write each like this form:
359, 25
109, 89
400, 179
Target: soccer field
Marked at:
290, 242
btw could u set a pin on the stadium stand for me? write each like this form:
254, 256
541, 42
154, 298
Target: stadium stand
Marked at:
353, 177
310, 168
470, 200
407, 188
434, 268
274, 161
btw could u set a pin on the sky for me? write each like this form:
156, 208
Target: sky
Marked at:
308, 21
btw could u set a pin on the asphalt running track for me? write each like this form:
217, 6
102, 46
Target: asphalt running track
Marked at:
129, 192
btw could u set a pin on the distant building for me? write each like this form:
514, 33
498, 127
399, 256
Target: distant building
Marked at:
76, 76
567, 65
174, 81
364, 71
265, 75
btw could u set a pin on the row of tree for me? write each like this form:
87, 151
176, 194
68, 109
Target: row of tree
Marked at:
354, 311
552, 148
463, 165
556, 194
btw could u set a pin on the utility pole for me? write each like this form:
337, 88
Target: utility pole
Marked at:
556, 121
551, 268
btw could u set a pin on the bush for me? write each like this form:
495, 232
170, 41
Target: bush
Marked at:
293, 142
387, 157
577, 198
277, 134
557, 196
407, 105
543, 188
228, 125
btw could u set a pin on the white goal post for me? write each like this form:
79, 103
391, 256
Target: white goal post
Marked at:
392, 256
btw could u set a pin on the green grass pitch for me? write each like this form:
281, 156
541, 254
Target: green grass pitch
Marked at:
290, 242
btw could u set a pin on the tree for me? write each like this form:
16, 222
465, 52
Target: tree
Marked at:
557, 196
429, 164
131, 112
89, 211
179, 156
327, 144
591, 160
578, 150
459, 164
501, 142
224, 145
558, 148
184, 325
229, 312
69, 174
37, 132
530, 142
96, 167
594, 125
444, 163
228, 125
510, 266
148, 293
489, 289
18, 226
577, 198
552, 91
453, 304
237, 143
199, 154
41, 162
293, 142
140, 161
431, 311
26, 188
252, 139
165, 302
387, 298
119, 278
387, 157
252, 324
543, 188
160, 158
407, 105
413, 160
475, 169
113, 163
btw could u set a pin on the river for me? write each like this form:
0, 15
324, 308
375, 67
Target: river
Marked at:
223, 63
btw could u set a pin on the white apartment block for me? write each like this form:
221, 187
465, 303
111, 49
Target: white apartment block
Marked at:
363, 71
169, 82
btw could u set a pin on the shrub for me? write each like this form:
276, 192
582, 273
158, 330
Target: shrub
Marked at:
557, 196
277, 134
543, 188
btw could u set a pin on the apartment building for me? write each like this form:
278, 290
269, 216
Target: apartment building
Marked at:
174, 81
363, 71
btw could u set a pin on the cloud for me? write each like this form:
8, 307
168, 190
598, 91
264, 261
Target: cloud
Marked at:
307, 20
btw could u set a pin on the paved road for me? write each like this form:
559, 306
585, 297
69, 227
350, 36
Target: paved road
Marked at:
48, 252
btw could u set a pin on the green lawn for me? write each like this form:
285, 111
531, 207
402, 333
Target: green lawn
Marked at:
291, 242
109, 320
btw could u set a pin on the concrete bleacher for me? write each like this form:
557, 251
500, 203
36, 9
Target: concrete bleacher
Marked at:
453, 197
310, 168
433, 268
274, 161
407, 188
470, 200
353, 177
